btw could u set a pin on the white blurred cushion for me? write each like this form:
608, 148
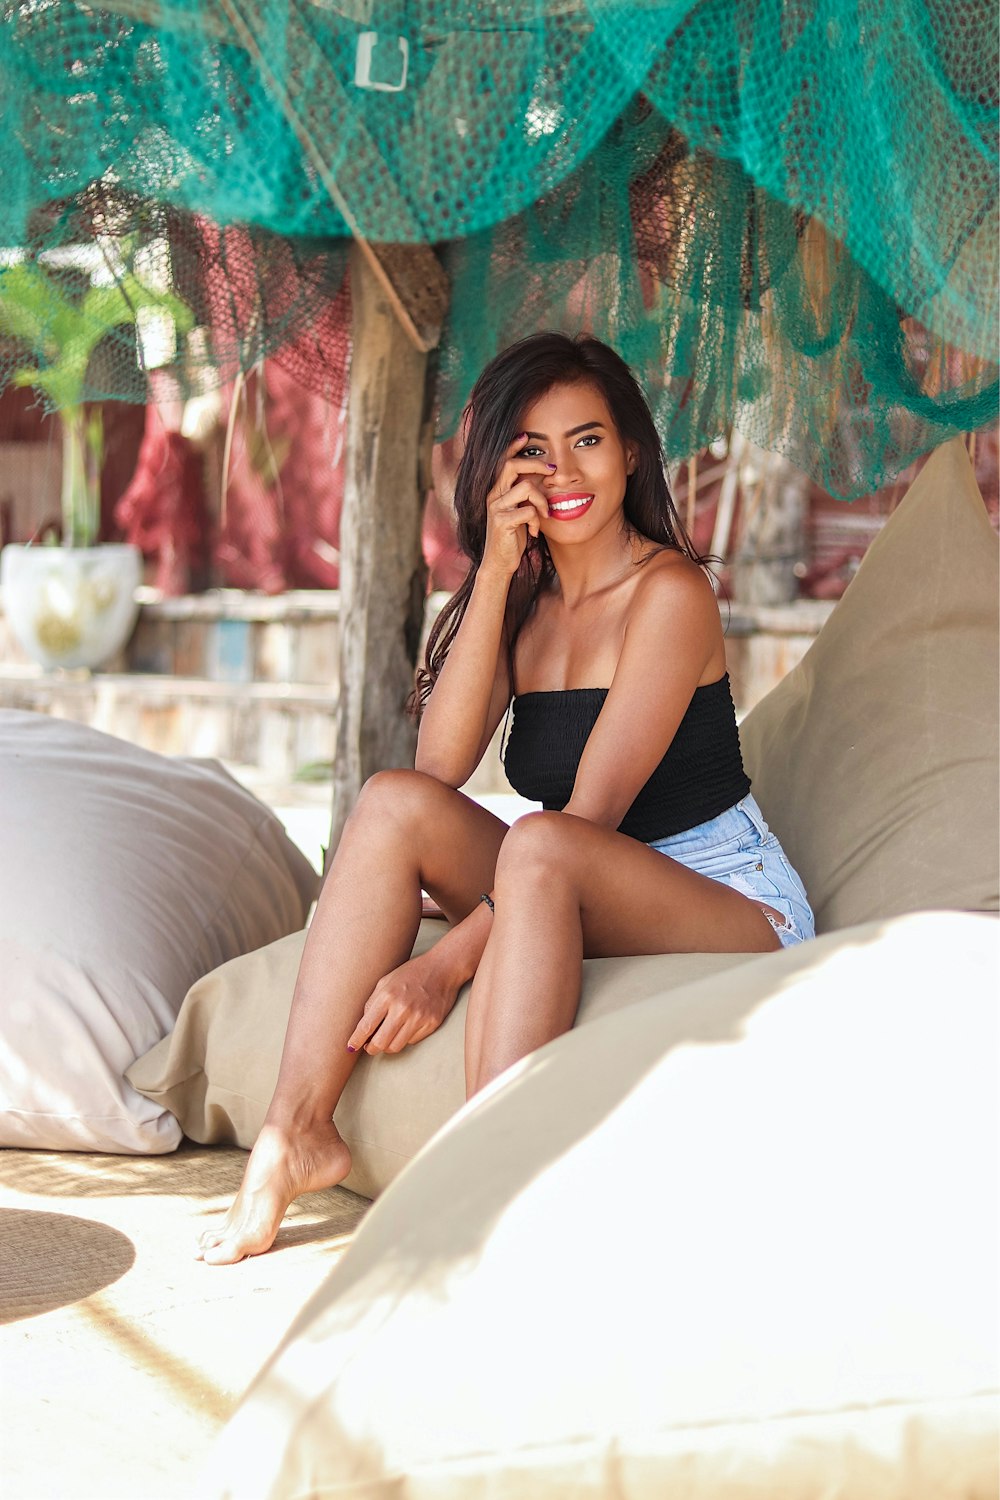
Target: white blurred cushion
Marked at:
875, 760
124, 876
736, 1240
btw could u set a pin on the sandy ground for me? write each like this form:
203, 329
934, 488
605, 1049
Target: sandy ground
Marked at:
121, 1356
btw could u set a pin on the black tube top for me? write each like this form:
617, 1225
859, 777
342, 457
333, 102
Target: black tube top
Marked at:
700, 776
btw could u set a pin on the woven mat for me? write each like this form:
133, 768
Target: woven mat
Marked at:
120, 1354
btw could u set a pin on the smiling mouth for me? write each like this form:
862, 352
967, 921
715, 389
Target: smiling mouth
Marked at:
568, 507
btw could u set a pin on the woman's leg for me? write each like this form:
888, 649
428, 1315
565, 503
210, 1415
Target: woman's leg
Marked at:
407, 831
566, 889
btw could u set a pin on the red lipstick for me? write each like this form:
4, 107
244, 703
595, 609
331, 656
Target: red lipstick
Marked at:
569, 505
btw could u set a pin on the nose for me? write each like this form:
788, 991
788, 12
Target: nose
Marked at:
565, 468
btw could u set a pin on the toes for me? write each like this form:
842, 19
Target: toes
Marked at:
225, 1253
226, 1244
209, 1239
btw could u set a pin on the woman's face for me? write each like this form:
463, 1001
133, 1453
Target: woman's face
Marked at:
571, 426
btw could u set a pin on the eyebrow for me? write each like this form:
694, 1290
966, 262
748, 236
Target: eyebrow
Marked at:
583, 427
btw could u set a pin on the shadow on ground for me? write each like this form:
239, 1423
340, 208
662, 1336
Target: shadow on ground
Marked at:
52, 1260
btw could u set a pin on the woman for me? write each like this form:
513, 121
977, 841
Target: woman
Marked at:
585, 604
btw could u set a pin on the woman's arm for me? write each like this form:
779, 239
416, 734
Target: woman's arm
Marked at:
672, 636
470, 696
473, 689
413, 1000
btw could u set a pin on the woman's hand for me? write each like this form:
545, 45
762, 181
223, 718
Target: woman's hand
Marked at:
515, 509
405, 1006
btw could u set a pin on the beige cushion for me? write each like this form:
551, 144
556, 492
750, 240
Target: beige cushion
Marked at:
875, 760
217, 1071
740, 1239
124, 876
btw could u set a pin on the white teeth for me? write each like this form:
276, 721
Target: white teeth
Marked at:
569, 504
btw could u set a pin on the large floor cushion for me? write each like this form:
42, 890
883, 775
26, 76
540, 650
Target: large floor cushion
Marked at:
217, 1071
787, 1289
875, 760
124, 876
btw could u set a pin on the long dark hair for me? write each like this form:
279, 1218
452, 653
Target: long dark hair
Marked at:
510, 383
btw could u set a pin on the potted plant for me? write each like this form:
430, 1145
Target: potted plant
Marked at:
73, 605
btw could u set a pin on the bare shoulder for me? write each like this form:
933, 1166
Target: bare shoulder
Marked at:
675, 600
670, 583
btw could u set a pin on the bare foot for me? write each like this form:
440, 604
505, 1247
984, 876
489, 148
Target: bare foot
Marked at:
282, 1165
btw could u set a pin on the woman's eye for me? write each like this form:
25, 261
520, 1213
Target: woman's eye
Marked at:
590, 439
529, 452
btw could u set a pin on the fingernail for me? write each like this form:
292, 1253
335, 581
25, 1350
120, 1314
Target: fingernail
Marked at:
350, 1048
550, 466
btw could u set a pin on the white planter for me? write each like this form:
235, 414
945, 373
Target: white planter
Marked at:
71, 606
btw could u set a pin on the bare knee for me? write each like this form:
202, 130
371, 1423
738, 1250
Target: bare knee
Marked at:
399, 796
537, 845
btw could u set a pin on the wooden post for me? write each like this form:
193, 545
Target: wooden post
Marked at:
773, 508
382, 570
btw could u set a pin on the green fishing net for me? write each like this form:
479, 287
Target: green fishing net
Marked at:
783, 213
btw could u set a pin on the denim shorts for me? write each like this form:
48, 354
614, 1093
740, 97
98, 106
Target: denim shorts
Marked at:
739, 849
